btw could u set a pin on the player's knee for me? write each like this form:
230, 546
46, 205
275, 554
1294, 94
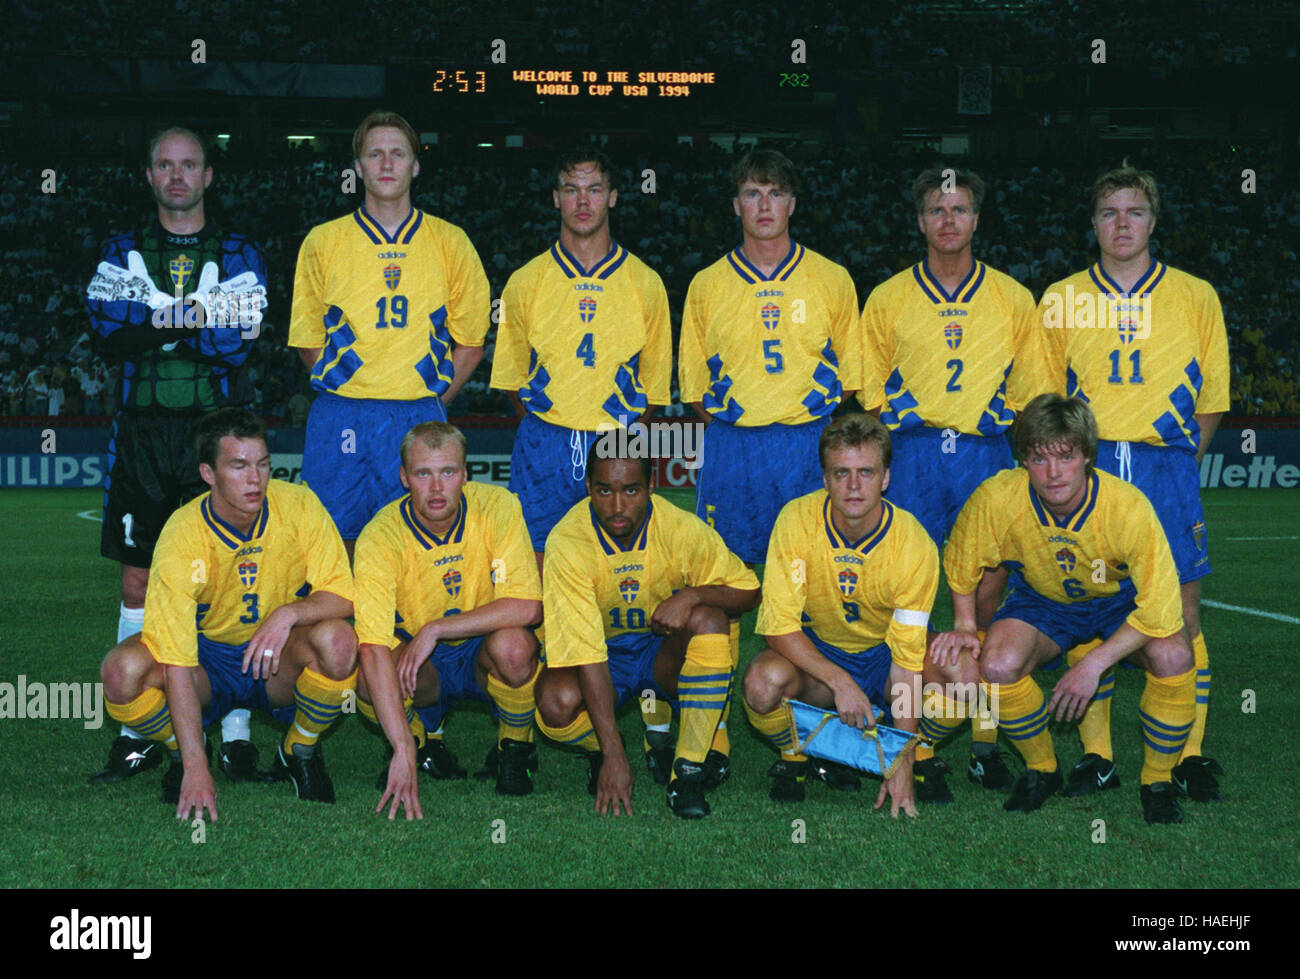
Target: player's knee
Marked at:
708, 620
558, 701
513, 653
764, 684
335, 645
1169, 657
1000, 664
127, 670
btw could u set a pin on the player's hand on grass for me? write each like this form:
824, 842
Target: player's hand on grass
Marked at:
901, 790
947, 647
673, 613
853, 706
1074, 692
402, 787
614, 787
270, 637
417, 651
198, 793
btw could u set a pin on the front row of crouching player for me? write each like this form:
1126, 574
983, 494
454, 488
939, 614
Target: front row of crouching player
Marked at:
641, 600
249, 593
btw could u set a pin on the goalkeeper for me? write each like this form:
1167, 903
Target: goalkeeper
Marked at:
178, 304
847, 593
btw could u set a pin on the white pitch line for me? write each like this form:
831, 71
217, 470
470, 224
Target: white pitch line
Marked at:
1251, 611
1294, 537
94, 515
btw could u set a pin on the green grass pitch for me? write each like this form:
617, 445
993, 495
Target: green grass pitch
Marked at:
58, 614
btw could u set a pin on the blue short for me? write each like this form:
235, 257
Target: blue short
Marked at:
457, 678
1169, 478
748, 474
932, 475
869, 669
231, 688
1067, 624
632, 666
351, 455
548, 472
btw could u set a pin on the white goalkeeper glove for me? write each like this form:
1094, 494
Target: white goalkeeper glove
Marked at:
234, 302
113, 283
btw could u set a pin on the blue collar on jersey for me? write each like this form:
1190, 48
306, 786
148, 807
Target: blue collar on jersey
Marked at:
869, 540
603, 269
229, 535
376, 233
1144, 286
429, 540
748, 271
611, 545
1075, 521
932, 287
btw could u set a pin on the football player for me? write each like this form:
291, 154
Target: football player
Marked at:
950, 352
638, 594
390, 309
584, 343
769, 348
850, 581
452, 565
1089, 561
1145, 345
248, 596
178, 303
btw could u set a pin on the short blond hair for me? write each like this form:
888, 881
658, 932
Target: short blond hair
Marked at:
853, 431
434, 435
381, 117
1126, 177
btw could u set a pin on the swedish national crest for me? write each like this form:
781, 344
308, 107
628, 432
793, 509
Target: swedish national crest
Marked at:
628, 588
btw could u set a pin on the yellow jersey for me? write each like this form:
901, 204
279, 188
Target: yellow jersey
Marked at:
584, 348
594, 590
763, 350
386, 308
966, 361
1112, 538
852, 594
407, 577
209, 579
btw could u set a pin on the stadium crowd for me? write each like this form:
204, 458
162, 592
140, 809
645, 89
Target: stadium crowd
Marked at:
677, 33
856, 211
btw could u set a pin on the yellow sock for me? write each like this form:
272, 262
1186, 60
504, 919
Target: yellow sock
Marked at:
1201, 655
515, 707
1022, 715
656, 715
416, 725
578, 734
412, 719
147, 714
703, 688
319, 702
777, 728
983, 730
1167, 710
1094, 729
721, 740
940, 716
367, 710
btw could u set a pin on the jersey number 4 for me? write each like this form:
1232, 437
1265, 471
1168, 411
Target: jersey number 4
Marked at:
587, 351
392, 312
